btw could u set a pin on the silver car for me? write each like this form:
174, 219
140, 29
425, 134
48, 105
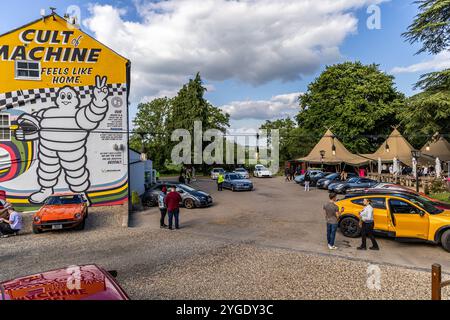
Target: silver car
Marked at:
215, 173
243, 172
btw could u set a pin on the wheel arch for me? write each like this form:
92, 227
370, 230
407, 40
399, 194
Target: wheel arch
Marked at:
439, 232
347, 215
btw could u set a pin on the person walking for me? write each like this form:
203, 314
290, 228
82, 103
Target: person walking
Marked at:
332, 214
11, 225
172, 202
307, 181
286, 174
162, 207
367, 224
220, 180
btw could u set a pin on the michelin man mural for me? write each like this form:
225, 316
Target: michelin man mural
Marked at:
62, 132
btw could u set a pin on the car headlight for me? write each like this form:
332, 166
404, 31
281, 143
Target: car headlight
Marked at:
77, 216
37, 219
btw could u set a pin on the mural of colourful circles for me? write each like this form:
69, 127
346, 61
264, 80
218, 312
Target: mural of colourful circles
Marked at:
16, 157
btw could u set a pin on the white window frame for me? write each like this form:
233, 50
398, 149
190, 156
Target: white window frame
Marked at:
2, 127
16, 73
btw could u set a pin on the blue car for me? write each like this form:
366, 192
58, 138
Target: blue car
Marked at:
235, 182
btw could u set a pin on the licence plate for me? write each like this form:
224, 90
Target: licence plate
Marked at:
57, 227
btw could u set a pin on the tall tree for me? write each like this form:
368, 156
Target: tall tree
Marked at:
150, 130
294, 141
429, 111
357, 101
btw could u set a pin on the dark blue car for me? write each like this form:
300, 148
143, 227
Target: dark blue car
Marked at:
350, 184
235, 182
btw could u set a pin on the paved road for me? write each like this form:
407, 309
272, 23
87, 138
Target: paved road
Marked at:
269, 243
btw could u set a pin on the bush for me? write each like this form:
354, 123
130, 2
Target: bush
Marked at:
438, 186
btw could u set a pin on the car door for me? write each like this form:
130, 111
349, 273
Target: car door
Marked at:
409, 221
380, 212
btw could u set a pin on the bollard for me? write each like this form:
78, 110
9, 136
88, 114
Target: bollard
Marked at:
436, 282
436, 278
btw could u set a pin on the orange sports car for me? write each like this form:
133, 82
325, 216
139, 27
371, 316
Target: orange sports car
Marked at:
61, 211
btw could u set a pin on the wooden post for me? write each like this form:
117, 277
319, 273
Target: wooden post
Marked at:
436, 278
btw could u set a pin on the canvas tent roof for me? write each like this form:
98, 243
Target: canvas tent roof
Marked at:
342, 154
399, 148
439, 148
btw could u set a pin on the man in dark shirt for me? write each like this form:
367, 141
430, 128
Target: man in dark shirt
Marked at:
172, 202
331, 216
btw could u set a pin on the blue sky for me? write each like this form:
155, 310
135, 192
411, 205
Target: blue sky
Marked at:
242, 93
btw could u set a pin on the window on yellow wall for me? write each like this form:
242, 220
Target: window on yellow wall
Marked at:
5, 131
27, 70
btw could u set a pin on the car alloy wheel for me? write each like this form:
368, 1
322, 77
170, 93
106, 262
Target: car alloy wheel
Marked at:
189, 204
350, 227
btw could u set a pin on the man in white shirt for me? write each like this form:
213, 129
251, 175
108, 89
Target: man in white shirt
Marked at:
367, 225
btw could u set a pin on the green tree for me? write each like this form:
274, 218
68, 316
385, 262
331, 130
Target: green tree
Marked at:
150, 130
357, 101
429, 111
431, 26
294, 141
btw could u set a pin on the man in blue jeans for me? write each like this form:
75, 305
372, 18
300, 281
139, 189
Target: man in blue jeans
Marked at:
172, 202
332, 215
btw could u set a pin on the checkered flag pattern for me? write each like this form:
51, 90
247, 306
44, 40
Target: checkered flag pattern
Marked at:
19, 98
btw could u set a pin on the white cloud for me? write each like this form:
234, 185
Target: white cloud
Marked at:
439, 62
277, 107
254, 41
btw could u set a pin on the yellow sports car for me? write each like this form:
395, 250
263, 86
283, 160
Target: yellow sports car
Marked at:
398, 215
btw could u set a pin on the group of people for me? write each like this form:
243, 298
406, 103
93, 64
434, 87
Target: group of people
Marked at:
332, 214
289, 173
10, 219
169, 204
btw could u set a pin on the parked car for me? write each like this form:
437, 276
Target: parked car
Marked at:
324, 182
236, 182
352, 183
243, 172
215, 173
312, 173
61, 211
399, 216
191, 198
403, 190
95, 283
261, 172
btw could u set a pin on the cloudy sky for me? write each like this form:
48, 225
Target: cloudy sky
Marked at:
256, 56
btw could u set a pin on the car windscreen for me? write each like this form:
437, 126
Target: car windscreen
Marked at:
62, 200
331, 176
186, 187
424, 203
352, 180
234, 176
240, 170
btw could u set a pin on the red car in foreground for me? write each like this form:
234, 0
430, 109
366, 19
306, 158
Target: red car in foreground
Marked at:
87, 282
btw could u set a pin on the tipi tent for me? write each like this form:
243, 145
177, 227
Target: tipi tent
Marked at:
395, 146
330, 143
437, 148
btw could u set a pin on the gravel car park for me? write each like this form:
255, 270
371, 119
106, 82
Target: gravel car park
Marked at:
265, 244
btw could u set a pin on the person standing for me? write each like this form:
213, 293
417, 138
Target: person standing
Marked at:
307, 181
220, 180
172, 202
162, 207
332, 214
367, 225
11, 225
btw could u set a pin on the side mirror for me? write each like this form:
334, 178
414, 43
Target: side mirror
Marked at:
421, 213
